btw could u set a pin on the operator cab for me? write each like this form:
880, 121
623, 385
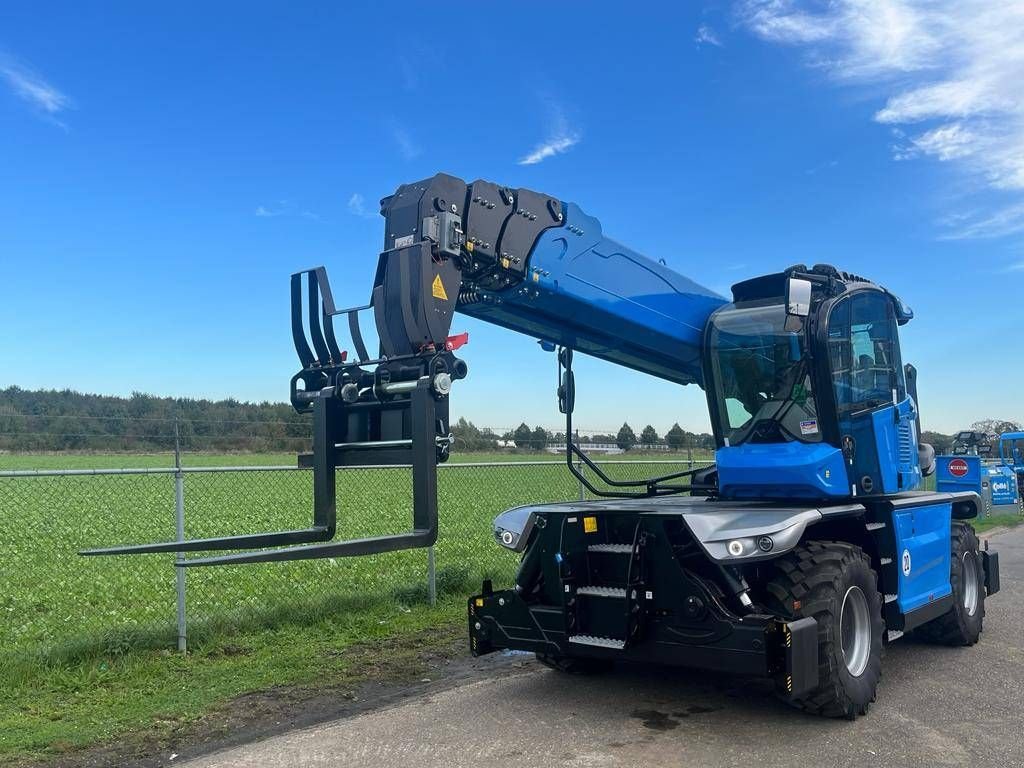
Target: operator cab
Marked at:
806, 389
1011, 450
968, 443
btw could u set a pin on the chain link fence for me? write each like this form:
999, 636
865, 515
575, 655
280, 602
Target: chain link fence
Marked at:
53, 601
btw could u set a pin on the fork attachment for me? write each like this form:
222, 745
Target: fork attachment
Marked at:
391, 410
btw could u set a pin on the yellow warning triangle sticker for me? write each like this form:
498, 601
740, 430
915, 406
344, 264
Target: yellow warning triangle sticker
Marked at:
438, 289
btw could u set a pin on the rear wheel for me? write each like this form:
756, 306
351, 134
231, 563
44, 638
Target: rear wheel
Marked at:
572, 665
834, 583
962, 624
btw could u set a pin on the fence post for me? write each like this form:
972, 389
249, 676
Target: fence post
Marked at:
579, 468
431, 576
179, 515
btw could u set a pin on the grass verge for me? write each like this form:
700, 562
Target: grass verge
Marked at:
55, 708
997, 521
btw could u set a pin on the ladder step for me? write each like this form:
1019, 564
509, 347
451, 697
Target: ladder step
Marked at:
895, 634
885, 560
600, 642
874, 526
616, 549
618, 592
891, 598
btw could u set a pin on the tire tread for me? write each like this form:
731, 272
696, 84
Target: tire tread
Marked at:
812, 574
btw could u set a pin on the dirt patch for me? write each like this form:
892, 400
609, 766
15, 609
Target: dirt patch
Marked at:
379, 674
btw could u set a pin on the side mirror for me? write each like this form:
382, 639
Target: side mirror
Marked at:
926, 458
798, 297
566, 381
567, 393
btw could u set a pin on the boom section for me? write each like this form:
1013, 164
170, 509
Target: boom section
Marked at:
534, 264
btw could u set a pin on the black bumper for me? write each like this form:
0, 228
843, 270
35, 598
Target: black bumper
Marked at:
753, 645
990, 560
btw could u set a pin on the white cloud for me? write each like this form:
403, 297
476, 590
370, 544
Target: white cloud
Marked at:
1018, 267
947, 142
357, 206
33, 89
285, 208
951, 73
827, 165
706, 36
556, 145
561, 138
406, 144
1006, 220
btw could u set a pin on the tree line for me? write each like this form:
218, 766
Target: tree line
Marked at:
56, 420
469, 437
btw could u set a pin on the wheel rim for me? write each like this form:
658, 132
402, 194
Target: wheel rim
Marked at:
970, 577
855, 631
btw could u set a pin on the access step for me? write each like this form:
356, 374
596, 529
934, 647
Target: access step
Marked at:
613, 592
612, 549
894, 634
599, 642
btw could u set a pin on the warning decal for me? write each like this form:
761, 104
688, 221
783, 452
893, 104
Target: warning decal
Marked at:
958, 468
438, 289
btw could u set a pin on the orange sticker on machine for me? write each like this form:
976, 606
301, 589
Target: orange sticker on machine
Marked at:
438, 289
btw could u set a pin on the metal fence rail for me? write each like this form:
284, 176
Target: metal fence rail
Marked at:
50, 597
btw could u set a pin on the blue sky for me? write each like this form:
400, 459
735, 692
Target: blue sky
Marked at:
162, 172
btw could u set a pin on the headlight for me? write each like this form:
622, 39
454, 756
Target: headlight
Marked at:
512, 528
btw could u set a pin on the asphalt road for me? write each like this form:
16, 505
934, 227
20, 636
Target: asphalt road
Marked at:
936, 707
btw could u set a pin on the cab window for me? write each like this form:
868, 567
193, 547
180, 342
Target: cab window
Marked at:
864, 352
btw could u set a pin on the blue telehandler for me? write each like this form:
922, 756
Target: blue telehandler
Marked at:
798, 556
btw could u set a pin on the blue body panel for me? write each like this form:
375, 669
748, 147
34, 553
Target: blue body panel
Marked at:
1003, 482
588, 292
886, 447
922, 546
883, 425
781, 471
947, 481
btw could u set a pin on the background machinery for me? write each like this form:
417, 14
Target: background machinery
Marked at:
994, 472
1011, 454
797, 557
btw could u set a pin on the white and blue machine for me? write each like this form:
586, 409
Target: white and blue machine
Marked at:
803, 551
997, 476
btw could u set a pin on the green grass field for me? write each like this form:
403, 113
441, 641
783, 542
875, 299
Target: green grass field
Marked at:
48, 461
85, 642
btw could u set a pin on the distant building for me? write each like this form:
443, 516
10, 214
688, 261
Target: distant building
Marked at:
588, 447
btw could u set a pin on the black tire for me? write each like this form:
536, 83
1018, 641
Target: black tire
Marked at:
815, 580
572, 665
961, 625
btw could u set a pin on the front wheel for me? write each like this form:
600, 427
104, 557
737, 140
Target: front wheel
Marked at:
834, 583
962, 624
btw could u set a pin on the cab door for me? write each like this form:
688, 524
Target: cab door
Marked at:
876, 417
